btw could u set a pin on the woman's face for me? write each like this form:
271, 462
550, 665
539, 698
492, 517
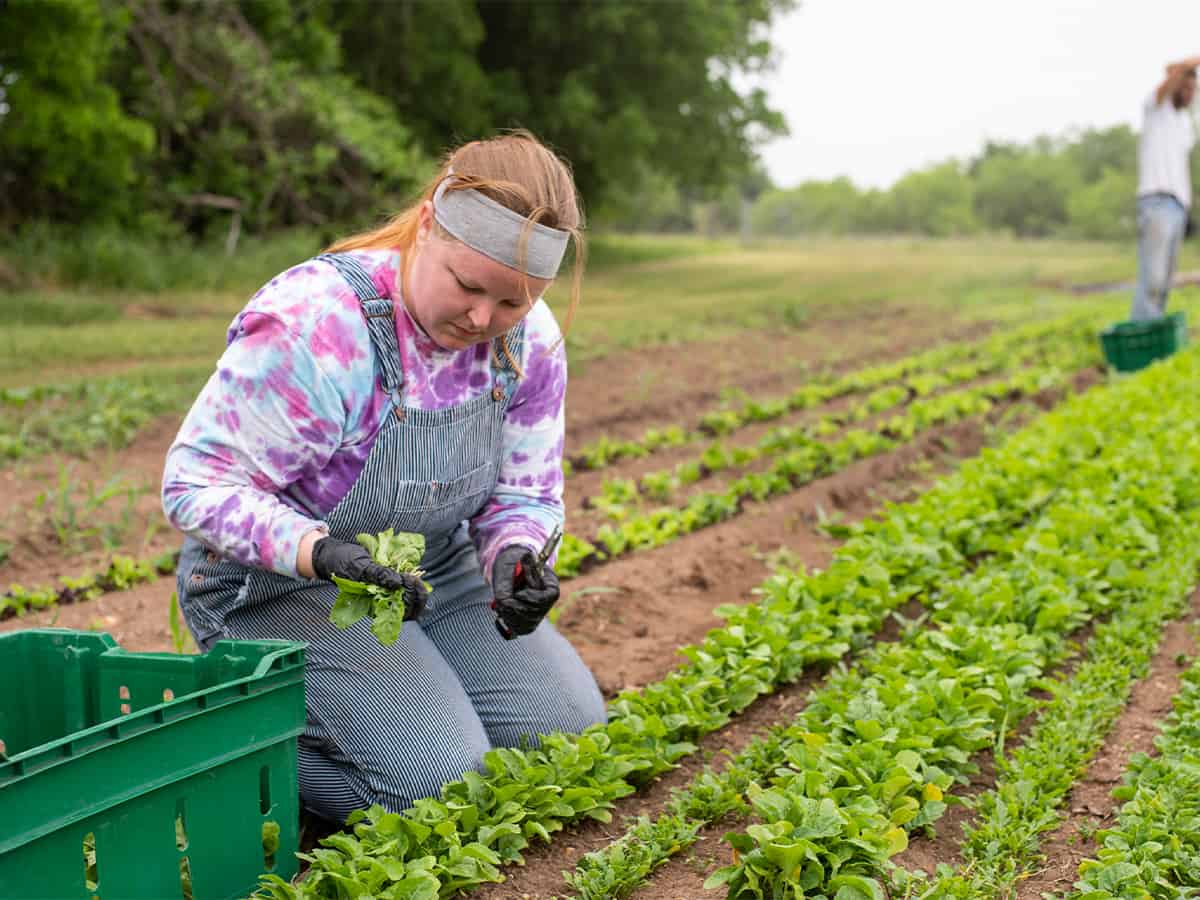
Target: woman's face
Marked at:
461, 297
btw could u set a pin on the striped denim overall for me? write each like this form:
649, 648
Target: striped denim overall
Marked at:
392, 724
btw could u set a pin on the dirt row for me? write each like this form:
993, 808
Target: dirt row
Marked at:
585, 518
764, 365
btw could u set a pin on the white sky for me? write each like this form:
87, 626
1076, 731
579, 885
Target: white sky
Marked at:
875, 88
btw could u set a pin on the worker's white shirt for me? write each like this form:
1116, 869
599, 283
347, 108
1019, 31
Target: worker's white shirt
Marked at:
1163, 150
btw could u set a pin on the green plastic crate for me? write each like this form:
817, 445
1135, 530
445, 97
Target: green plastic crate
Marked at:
145, 775
1129, 346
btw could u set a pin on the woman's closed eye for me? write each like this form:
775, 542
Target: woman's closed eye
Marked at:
469, 288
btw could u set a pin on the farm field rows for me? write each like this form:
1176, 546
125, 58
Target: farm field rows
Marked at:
1077, 523
863, 622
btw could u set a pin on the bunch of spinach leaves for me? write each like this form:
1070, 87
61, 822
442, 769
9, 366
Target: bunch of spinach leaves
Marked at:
400, 552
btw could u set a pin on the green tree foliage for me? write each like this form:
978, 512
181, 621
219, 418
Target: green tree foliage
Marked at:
67, 148
618, 83
328, 111
1105, 208
933, 201
815, 206
1025, 191
249, 103
1080, 185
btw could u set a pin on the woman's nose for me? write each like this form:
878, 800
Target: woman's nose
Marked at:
480, 314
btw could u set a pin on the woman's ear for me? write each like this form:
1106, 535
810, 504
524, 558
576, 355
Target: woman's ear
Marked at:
425, 220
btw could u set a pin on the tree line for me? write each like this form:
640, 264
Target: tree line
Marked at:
170, 114
1080, 184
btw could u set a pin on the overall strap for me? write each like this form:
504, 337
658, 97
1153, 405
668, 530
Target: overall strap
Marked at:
502, 365
505, 376
380, 318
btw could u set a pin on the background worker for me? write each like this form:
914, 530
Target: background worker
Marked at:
413, 379
1164, 197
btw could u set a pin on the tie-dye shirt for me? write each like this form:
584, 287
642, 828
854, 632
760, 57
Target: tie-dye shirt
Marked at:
283, 427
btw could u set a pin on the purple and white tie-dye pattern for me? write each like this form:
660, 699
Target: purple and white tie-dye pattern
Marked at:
284, 426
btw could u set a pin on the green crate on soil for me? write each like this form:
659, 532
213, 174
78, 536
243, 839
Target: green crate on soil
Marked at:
138, 775
1130, 346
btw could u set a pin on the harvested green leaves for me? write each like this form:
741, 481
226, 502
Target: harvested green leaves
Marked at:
401, 552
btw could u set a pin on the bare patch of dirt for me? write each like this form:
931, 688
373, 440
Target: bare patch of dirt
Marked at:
38, 554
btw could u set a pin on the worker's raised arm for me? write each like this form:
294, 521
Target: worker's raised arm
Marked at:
1176, 73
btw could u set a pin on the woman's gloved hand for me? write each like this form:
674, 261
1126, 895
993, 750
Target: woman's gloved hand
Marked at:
353, 561
521, 606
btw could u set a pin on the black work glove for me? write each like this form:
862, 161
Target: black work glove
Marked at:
521, 606
347, 559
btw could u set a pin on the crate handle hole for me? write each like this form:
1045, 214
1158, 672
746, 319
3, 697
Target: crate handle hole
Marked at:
181, 838
264, 790
3, 751
168, 695
91, 867
123, 692
185, 879
126, 709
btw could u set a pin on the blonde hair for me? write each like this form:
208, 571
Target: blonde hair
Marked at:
514, 169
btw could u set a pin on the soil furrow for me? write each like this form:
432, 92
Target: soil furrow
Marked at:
1090, 805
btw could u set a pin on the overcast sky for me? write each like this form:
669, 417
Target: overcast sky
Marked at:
875, 88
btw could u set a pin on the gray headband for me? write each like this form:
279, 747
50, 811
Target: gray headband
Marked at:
495, 231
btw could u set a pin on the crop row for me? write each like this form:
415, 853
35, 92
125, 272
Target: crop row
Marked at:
1002, 844
806, 461
876, 749
485, 820
606, 451
76, 418
1154, 850
122, 573
1119, 541
618, 497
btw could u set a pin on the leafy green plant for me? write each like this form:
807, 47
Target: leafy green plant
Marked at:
79, 519
181, 638
122, 573
1154, 850
401, 552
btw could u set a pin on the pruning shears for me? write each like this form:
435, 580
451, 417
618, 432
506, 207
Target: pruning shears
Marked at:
536, 566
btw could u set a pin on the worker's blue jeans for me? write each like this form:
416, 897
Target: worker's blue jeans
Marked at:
1161, 221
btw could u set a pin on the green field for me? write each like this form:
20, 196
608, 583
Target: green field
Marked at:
640, 291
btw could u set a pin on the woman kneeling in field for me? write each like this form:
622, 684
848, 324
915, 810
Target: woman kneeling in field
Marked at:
410, 378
